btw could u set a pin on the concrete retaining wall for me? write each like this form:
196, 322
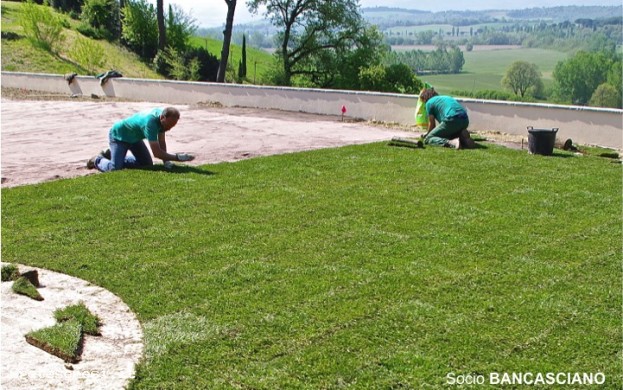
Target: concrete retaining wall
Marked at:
585, 125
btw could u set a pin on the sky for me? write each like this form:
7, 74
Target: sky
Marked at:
212, 13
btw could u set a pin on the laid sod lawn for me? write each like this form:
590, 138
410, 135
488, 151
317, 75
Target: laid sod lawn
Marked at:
366, 266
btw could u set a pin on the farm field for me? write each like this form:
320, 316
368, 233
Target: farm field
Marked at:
484, 69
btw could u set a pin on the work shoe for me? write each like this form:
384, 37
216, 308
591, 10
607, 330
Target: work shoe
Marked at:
106, 154
92, 162
466, 140
453, 144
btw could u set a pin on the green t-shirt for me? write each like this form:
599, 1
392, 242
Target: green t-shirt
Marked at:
444, 108
145, 124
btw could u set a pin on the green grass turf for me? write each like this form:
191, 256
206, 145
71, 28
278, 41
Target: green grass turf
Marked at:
62, 339
370, 266
10, 272
23, 286
79, 312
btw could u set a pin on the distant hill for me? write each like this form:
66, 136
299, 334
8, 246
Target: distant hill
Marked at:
387, 17
566, 13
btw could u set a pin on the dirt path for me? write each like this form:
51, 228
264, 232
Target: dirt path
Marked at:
47, 138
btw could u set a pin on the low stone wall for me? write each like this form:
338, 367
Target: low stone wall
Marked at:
584, 125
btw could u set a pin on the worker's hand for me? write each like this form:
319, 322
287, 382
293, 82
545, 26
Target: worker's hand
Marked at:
185, 157
168, 165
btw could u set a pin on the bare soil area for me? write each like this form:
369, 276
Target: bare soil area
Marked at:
51, 136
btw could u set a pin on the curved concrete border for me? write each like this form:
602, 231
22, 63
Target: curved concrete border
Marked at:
108, 361
585, 125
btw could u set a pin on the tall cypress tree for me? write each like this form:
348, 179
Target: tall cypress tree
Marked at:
242, 65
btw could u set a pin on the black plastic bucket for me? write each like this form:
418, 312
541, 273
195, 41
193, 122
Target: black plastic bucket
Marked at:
541, 141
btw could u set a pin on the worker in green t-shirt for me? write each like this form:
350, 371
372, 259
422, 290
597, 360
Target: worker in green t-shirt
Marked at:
128, 135
447, 121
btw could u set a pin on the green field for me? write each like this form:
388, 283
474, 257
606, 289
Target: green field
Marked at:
485, 69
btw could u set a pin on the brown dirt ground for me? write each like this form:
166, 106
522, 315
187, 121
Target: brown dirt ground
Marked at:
51, 136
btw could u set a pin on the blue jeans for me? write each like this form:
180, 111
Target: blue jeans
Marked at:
118, 153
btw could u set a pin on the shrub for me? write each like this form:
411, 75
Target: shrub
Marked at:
207, 64
169, 60
91, 32
493, 95
42, 26
606, 96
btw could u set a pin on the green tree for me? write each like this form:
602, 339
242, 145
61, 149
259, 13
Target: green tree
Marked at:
229, 26
162, 30
339, 69
394, 78
606, 96
373, 78
310, 29
72, 7
104, 16
140, 28
180, 28
521, 77
578, 77
402, 79
242, 66
455, 59
615, 78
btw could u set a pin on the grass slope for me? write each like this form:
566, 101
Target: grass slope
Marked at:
21, 56
369, 266
18, 54
259, 62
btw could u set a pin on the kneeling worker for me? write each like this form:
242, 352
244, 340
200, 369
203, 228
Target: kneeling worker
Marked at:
128, 135
447, 121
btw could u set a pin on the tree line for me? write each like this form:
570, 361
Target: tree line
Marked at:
587, 34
